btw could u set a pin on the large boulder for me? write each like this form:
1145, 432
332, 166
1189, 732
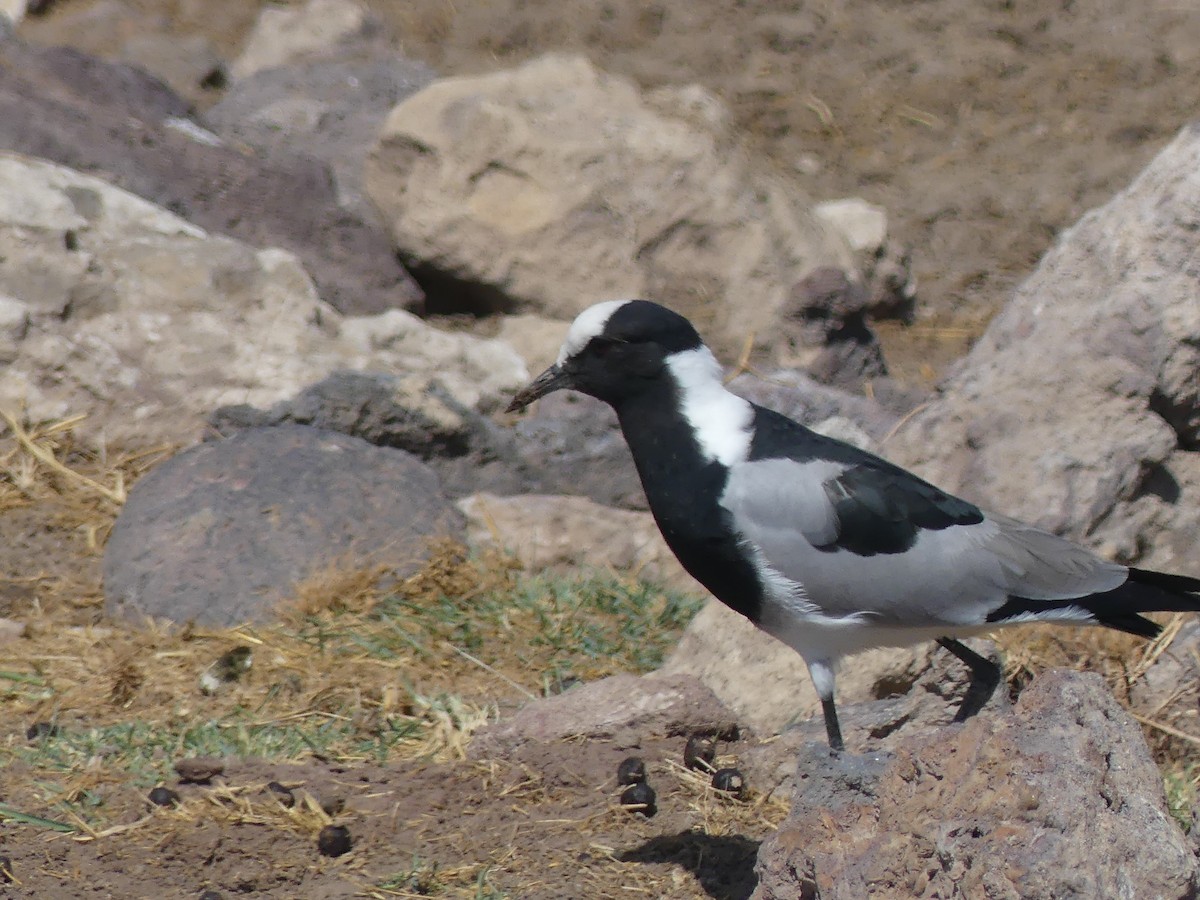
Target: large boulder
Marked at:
115, 307
1081, 400
224, 531
117, 122
1057, 798
552, 186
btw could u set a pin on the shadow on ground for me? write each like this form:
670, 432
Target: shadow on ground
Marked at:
723, 865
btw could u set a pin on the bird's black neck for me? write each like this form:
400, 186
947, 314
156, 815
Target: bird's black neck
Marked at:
683, 489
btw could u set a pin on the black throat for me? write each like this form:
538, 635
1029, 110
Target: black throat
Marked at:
683, 489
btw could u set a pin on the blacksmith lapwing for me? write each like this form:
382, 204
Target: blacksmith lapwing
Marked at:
830, 549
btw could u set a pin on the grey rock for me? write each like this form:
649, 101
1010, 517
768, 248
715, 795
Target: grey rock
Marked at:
799, 396
888, 694
319, 28
222, 532
1083, 390
618, 708
188, 64
551, 186
568, 533
330, 110
576, 449
119, 308
409, 413
1057, 798
576, 443
115, 120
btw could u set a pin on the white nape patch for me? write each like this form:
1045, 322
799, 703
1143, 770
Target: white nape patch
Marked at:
588, 324
721, 420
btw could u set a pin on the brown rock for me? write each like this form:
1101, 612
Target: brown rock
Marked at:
767, 683
199, 769
553, 185
1058, 798
621, 706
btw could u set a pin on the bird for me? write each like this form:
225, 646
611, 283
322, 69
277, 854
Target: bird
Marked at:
828, 548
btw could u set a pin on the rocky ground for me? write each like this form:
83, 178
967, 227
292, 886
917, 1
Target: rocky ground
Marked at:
982, 129
333, 237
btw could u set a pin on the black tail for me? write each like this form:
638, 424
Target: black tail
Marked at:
1144, 591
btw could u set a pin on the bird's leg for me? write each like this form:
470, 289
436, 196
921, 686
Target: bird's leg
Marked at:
833, 731
823, 672
985, 677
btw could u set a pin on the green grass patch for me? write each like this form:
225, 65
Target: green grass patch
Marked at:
544, 627
408, 673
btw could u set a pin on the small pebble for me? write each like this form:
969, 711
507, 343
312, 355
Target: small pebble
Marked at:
334, 840
199, 769
39, 730
212, 895
6, 870
282, 794
700, 752
730, 781
641, 797
632, 770
164, 796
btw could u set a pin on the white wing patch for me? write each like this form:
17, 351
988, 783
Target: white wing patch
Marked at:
588, 324
720, 420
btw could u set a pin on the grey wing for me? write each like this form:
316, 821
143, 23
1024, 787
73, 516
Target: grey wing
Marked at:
775, 502
955, 574
1038, 565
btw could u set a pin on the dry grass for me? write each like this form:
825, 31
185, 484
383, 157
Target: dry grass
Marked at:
78, 484
360, 668
717, 813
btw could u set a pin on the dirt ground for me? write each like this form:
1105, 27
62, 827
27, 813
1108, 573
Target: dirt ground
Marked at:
983, 128
548, 828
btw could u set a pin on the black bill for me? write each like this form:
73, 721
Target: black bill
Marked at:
553, 379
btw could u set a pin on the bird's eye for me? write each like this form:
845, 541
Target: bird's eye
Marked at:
601, 346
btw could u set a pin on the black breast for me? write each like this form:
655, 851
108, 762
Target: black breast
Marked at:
683, 489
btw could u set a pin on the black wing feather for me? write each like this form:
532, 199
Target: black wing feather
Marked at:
880, 507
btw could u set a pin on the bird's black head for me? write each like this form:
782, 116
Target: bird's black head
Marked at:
614, 350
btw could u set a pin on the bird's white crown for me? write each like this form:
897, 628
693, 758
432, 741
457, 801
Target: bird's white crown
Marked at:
588, 324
